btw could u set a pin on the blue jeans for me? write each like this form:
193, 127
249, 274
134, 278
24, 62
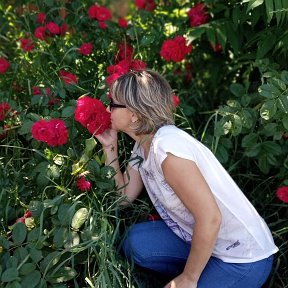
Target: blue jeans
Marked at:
154, 246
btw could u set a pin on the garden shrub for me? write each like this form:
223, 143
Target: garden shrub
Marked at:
61, 218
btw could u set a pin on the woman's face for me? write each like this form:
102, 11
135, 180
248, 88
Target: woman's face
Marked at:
121, 117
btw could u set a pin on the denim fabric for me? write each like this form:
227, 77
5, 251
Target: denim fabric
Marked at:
154, 246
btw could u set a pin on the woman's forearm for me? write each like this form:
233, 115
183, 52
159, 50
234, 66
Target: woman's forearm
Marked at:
203, 241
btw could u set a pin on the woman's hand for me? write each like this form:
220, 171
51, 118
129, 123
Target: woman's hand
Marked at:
181, 281
108, 138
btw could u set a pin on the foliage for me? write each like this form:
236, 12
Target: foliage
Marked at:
233, 96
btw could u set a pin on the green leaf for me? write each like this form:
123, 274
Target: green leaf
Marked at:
50, 260
249, 140
35, 254
253, 151
63, 274
31, 280
14, 284
19, 233
263, 163
253, 4
21, 253
9, 275
265, 90
237, 89
26, 127
265, 45
68, 111
147, 40
285, 121
268, 109
283, 103
271, 148
195, 33
27, 268
72, 240
90, 144
60, 234
79, 218
269, 9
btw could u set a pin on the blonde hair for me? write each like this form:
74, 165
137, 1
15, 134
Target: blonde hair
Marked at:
149, 95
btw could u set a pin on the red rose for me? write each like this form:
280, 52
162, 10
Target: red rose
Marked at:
138, 65
92, 11
82, 184
103, 14
125, 51
92, 114
53, 132
176, 100
28, 214
4, 109
216, 47
41, 18
40, 32
4, 65
148, 5
282, 193
197, 15
86, 48
175, 49
102, 25
122, 22
27, 44
63, 29
53, 28
68, 78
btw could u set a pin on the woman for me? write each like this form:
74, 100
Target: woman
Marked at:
210, 235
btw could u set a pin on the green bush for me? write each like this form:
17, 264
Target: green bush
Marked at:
233, 96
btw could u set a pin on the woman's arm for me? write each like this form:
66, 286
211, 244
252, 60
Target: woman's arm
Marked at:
188, 183
129, 182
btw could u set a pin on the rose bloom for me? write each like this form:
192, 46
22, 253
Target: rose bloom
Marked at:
92, 11
103, 14
40, 32
123, 67
282, 193
92, 114
27, 44
41, 18
176, 100
138, 65
125, 51
102, 25
122, 22
37, 91
68, 78
175, 49
63, 29
53, 28
216, 47
86, 49
4, 109
82, 184
53, 132
4, 65
197, 15
148, 5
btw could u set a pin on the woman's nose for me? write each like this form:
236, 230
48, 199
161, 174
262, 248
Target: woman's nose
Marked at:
108, 109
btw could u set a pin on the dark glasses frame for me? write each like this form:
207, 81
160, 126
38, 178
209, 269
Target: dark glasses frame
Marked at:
115, 105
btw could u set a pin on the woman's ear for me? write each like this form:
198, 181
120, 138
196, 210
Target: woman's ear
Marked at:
134, 118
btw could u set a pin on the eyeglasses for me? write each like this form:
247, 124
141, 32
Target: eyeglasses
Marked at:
115, 105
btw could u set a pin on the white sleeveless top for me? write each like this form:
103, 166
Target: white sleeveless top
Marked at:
243, 237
